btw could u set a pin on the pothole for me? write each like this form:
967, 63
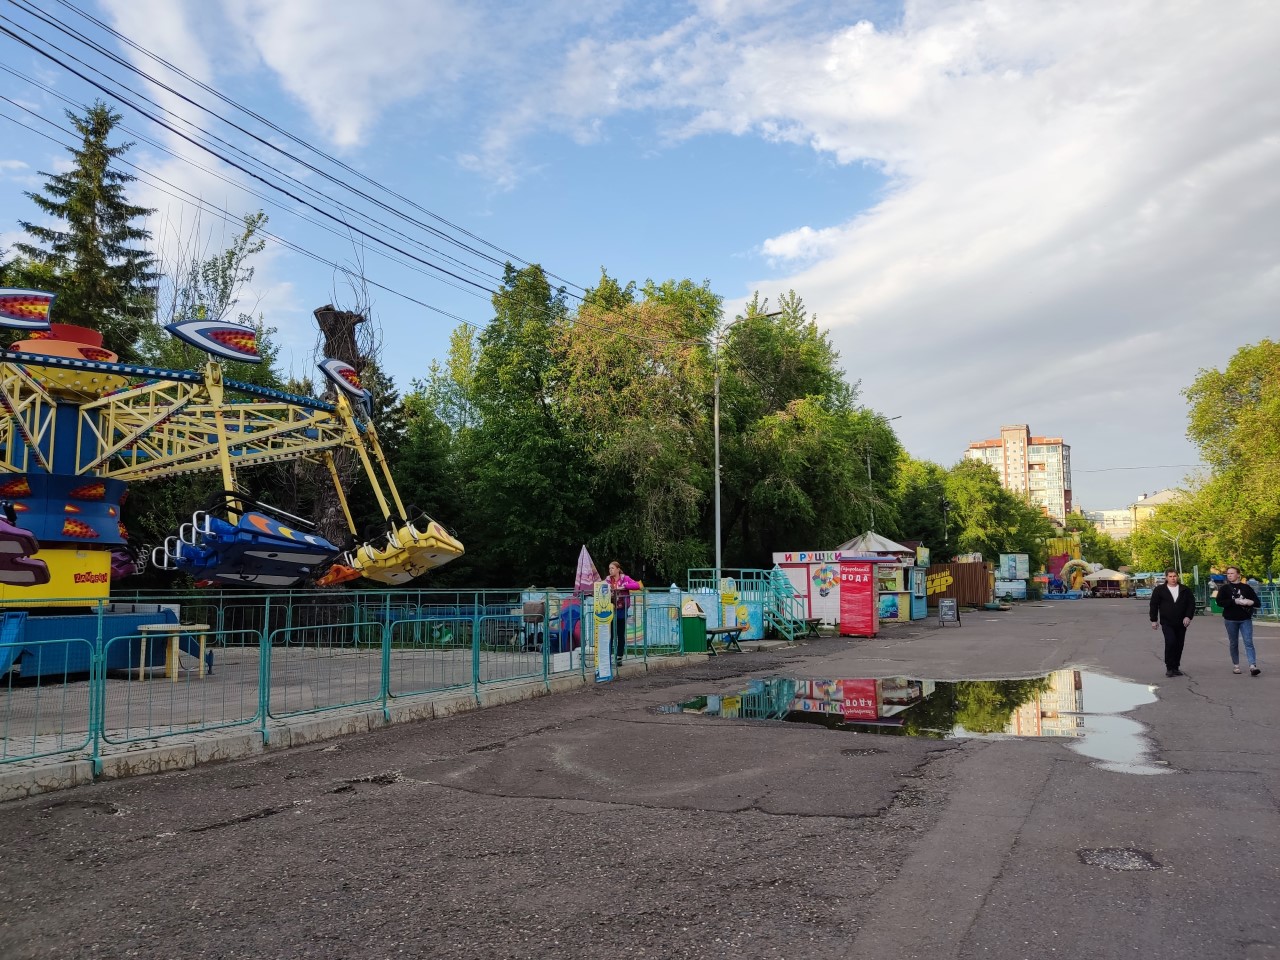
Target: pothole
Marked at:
377, 779
1118, 858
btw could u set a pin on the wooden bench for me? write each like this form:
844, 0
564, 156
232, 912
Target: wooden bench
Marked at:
730, 636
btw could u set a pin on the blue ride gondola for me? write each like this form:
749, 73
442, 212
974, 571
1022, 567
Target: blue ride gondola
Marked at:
255, 545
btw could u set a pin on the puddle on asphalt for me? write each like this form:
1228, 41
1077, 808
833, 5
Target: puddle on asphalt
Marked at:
1084, 708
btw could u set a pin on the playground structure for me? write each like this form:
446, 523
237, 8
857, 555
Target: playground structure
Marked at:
80, 427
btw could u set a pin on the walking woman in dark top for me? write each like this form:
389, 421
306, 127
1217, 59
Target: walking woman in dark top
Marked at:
1173, 605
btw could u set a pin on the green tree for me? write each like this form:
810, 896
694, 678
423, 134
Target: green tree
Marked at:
1233, 515
93, 262
526, 489
919, 492
987, 519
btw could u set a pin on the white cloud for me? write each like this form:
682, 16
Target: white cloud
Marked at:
1081, 200
1076, 194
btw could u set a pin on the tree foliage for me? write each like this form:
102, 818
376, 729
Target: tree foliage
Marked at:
92, 258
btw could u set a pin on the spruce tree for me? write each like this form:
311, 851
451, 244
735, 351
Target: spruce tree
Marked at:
102, 278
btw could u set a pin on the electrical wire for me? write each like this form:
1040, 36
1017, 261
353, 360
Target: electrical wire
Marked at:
200, 203
82, 38
225, 159
298, 140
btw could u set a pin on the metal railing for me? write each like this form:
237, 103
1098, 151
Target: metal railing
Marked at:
275, 656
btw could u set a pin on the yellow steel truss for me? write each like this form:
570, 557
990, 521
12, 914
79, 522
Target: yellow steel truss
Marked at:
28, 427
163, 429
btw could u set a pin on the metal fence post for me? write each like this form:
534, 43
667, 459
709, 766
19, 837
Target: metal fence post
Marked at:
475, 646
386, 670
264, 680
97, 703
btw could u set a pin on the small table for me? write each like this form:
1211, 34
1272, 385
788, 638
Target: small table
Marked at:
730, 636
173, 631
811, 626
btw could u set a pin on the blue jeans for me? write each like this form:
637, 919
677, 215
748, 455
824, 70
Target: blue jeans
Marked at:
1240, 630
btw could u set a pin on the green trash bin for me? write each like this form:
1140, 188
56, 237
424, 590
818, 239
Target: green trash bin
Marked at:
693, 628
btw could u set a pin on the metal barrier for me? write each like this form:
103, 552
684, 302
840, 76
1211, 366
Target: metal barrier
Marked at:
136, 707
273, 656
53, 711
325, 667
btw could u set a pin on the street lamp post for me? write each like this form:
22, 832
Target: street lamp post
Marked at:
871, 498
1177, 551
715, 418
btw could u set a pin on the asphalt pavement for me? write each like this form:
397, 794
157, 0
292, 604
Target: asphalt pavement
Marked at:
593, 824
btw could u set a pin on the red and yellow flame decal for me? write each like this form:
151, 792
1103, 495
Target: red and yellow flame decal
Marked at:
123, 531
20, 508
70, 508
78, 529
97, 353
89, 491
41, 335
242, 341
25, 307
15, 488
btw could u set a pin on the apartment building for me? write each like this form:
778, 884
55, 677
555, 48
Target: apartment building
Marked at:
1037, 467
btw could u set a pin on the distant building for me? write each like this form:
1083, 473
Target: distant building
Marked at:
1145, 506
1116, 524
1039, 467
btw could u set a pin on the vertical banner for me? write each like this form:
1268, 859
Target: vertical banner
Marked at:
858, 600
602, 630
859, 700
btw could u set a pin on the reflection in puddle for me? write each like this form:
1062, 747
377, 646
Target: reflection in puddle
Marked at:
1085, 707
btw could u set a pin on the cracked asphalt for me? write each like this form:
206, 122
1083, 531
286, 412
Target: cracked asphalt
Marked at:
591, 825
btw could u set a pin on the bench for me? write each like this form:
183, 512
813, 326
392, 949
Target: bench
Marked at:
173, 632
811, 626
729, 635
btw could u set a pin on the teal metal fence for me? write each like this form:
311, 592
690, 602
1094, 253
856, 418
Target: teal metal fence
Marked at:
269, 657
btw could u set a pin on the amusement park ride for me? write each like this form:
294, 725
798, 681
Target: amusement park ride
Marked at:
79, 427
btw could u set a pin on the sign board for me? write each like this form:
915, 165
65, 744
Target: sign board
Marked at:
602, 630
858, 600
1012, 588
948, 611
858, 700
1013, 566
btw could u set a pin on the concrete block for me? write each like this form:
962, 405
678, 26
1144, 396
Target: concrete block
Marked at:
449, 704
412, 711
315, 729
150, 759
228, 745
17, 782
566, 682
511, 692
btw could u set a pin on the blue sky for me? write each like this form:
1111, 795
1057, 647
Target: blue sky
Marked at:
1002, 212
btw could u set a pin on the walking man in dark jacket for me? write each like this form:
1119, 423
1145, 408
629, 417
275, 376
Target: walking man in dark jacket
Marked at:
1172, 607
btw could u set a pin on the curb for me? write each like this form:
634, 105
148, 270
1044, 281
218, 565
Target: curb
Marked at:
29, 778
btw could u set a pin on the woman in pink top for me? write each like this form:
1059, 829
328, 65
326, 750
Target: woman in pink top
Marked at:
620, 587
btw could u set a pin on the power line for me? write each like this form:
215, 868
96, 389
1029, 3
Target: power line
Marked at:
1149, 466
288, 244
225, 159
82, 38
227, 180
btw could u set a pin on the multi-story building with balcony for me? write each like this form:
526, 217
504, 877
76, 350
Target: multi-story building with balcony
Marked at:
1037, 467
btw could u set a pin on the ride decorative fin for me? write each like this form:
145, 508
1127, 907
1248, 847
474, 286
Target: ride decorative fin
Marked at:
230, 341
343, 376
25, 309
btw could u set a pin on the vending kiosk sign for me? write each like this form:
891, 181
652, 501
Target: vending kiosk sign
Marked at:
858, 615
